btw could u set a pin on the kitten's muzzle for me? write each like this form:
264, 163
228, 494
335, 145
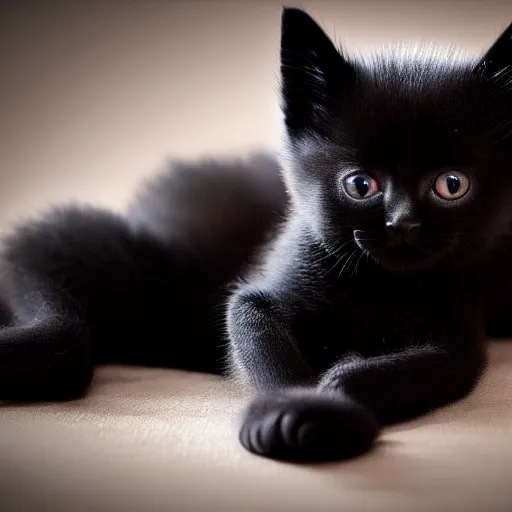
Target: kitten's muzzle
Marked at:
402, 233
397, 250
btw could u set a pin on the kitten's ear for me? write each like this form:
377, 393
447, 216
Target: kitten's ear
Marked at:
499, 55
313, 73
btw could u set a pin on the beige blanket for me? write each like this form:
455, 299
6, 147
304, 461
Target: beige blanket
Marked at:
148, 439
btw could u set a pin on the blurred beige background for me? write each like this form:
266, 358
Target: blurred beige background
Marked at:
95, 94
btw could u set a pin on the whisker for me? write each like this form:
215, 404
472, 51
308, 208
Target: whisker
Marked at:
358, 261
336, 263
347, 262
335, 252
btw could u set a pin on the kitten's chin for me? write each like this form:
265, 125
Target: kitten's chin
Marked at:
403, 260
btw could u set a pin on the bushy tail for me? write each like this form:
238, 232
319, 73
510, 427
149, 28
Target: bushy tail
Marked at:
78, 273
219, 211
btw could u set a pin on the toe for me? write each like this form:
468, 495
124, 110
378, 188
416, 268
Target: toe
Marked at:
309, 428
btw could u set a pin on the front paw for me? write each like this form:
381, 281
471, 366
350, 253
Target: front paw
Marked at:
307, 426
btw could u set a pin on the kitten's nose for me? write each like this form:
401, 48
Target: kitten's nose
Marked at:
402, 232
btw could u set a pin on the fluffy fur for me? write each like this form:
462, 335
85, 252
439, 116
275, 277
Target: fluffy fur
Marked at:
354, 287
85, 286
372, 310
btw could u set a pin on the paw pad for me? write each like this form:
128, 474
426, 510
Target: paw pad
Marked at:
307, 426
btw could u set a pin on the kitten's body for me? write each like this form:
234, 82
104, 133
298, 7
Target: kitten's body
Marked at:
389, 259
148, 287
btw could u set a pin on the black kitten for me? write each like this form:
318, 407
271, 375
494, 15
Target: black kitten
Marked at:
373, 302
395, 262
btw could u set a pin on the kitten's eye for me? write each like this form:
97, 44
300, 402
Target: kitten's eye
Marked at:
360, 186
451, 185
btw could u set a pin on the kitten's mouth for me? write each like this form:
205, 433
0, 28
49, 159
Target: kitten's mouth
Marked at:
404, 259
401, 258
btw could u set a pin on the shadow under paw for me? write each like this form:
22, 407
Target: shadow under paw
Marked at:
307, 426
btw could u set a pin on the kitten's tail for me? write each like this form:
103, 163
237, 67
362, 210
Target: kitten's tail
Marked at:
219, 211
76, 271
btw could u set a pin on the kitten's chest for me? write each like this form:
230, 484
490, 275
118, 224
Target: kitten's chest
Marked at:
370, 316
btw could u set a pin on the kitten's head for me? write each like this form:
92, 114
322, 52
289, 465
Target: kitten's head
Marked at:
409, 156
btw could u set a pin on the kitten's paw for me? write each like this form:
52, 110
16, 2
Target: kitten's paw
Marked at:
306, 426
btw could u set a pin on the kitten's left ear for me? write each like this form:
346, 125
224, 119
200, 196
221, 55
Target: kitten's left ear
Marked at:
499, 55
313, 73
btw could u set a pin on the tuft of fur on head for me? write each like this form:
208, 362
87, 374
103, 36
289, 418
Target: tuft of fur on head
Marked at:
400, 57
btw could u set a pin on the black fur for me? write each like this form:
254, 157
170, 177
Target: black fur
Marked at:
362, 311
382, 300
86, 286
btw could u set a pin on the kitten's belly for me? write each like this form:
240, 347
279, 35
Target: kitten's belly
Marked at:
175, 332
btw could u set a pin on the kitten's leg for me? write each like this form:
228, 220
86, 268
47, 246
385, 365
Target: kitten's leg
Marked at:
49, 360
397, 387
340, 417
296, 424
68, 279
301, 416
307, 425
262, 346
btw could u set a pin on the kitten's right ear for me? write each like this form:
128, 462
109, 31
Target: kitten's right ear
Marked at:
313, 73
499, 55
